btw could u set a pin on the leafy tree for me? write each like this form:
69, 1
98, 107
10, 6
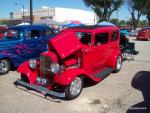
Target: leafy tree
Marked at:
136, 9
147, 11
114, 21
4, 22
143, 23
129, 22
122, 22
104, 8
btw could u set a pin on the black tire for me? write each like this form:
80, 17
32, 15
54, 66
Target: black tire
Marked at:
4, 66
69, 94
118, 64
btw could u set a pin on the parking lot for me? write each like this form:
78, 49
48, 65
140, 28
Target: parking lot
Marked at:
112, 95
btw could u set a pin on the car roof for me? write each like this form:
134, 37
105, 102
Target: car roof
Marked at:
29, 26
93, 27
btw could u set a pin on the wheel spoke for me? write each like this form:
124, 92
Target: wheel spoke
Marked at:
3, 66
75, 87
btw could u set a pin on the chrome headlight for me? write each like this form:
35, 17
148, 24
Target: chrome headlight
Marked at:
32, 63
54, 68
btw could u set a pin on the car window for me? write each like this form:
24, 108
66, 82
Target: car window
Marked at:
14, 34
48, 32
101, 38
114, 36
85, 38
33, 34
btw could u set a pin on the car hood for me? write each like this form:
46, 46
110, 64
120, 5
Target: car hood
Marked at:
66, 43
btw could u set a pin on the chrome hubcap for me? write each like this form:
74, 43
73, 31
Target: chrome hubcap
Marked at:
119, 63
76, 86
3, 66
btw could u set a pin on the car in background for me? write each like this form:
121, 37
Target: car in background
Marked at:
2, 31
124, 32
21, 43
144, 34
135, 32
75, 55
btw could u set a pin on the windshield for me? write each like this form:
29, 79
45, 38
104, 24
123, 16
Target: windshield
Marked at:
14, 34
84, 37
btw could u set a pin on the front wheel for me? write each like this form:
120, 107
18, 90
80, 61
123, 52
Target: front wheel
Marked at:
4, 66
74, 89
118, 64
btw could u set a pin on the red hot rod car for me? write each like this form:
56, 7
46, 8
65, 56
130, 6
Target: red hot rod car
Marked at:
76, 54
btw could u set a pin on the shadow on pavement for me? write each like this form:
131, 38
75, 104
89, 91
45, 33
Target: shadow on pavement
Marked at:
141, 81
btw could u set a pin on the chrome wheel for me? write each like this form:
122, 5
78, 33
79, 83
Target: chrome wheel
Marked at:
74, 89
4, 66
76, 86
119, 63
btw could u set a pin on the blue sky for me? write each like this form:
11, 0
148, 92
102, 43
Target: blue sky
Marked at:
8, 6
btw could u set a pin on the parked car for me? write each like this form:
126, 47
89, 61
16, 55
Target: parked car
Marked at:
144, 34
21, 43
2, 31
124, 31
76, 54
135, 32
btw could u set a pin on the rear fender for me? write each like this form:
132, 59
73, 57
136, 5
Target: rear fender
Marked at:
67, 77
26, 71
113, 58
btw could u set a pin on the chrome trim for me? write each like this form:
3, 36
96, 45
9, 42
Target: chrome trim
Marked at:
41, 89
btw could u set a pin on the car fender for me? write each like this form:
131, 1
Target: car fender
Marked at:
111, 62
67, 76
14, 59
25, 70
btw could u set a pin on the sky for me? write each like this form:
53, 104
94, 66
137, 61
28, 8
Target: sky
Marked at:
8, 6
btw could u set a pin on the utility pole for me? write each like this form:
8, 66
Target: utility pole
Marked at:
31, 13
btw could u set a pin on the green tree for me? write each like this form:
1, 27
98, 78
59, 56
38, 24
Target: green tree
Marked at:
147, 11
136, 9
4, 22
122, 23
104, 8
143, 23
114, 21
129, 22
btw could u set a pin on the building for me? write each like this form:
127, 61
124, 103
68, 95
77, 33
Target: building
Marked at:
57, 14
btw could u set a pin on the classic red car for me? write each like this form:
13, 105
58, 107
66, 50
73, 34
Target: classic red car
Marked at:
2, 31
144, 34
75, 55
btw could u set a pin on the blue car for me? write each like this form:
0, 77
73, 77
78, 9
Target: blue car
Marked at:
124, 31
21, 43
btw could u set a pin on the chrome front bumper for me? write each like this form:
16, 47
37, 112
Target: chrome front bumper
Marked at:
41, 89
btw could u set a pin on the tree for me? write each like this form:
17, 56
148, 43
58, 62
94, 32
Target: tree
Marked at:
4, 22
104, 8
136, 9
147, 11
122, 22
114, 21
143, 23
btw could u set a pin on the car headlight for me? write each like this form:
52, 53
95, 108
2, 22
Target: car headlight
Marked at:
32, 63
55, 68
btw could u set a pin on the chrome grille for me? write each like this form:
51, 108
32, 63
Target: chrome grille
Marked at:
45, 63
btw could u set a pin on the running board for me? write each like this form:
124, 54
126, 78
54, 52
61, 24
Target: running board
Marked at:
105, 72
41, 89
